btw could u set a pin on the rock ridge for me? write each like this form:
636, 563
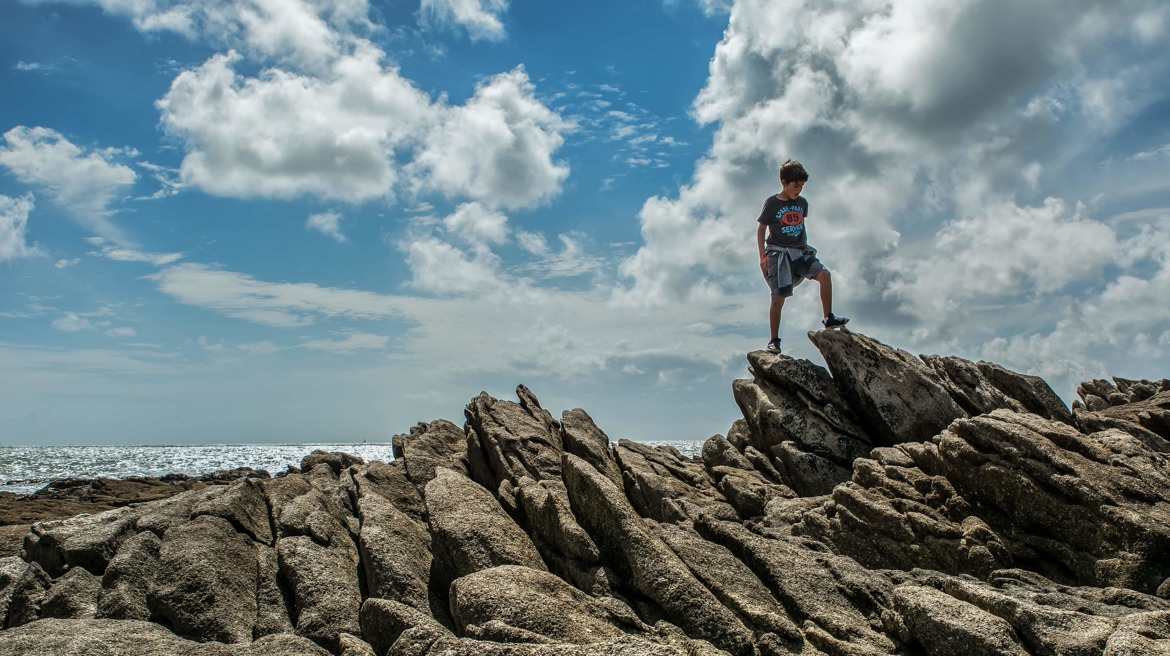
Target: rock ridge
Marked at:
883, 504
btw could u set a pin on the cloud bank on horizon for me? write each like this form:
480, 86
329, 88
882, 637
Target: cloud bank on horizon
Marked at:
342, 219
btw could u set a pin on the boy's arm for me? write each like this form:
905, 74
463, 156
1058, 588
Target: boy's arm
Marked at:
760, 245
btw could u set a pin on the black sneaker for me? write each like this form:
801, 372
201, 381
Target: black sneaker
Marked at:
774, 345
834, 321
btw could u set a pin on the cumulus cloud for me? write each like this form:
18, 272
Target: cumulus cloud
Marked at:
328, 224
497, 148
480, 18
14, 226
442, 268
84, 183
1006, 252
304, 33
475, 224
284, 135
341, 135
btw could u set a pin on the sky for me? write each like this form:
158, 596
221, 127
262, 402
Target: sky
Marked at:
233, 221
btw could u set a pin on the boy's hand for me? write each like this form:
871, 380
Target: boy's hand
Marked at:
764, 263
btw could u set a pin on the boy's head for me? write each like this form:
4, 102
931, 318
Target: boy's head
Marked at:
792, 171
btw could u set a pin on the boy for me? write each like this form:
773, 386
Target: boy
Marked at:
785, 256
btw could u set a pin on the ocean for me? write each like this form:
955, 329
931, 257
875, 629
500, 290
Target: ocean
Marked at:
26, 469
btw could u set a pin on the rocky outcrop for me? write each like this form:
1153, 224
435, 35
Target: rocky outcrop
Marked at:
883, 504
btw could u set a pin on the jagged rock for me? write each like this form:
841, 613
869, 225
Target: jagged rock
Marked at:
898, 397
1151, 413
646, 563
272, 599
470, 530
22, 587
582, 438
205, 585
301, 509
564, 546
243, 505
337, 461
663, 486
61, 637
945, 626
390, 482
1042, 477
835, 599
157, 517
73, 596
323, 583
128, 578
350, 645
87, 541
968, 387
794, 412
515, 439
395, 552
1030, 391
385, 620
517, 604
731, 581
437, 444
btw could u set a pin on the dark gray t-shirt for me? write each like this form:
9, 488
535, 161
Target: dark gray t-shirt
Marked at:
785, 221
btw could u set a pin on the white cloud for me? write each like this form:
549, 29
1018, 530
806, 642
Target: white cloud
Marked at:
14, 226
328, 224
441, 268
481, 18
119, 254
353, 125
122, 331
71, 322
84, 183
65, 263
475, 224
1006, 252
350, 342
497, 148
273, 304
304, 33
259, 348
284, 135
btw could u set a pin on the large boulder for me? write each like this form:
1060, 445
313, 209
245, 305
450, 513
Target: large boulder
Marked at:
513, 439
896, 396
127, 580
205, 585
471, 531
646, 563
395, 552
324, 585
429, 446
517, 604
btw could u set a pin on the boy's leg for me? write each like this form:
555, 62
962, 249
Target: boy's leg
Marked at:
774, 315
826, 282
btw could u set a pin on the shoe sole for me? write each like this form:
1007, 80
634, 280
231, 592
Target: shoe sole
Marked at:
836, 326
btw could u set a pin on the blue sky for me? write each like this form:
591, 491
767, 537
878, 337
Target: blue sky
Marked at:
327, 220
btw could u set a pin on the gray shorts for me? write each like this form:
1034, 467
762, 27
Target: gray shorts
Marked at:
785, 272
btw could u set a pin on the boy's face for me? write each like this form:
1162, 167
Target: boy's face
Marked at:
792, 189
